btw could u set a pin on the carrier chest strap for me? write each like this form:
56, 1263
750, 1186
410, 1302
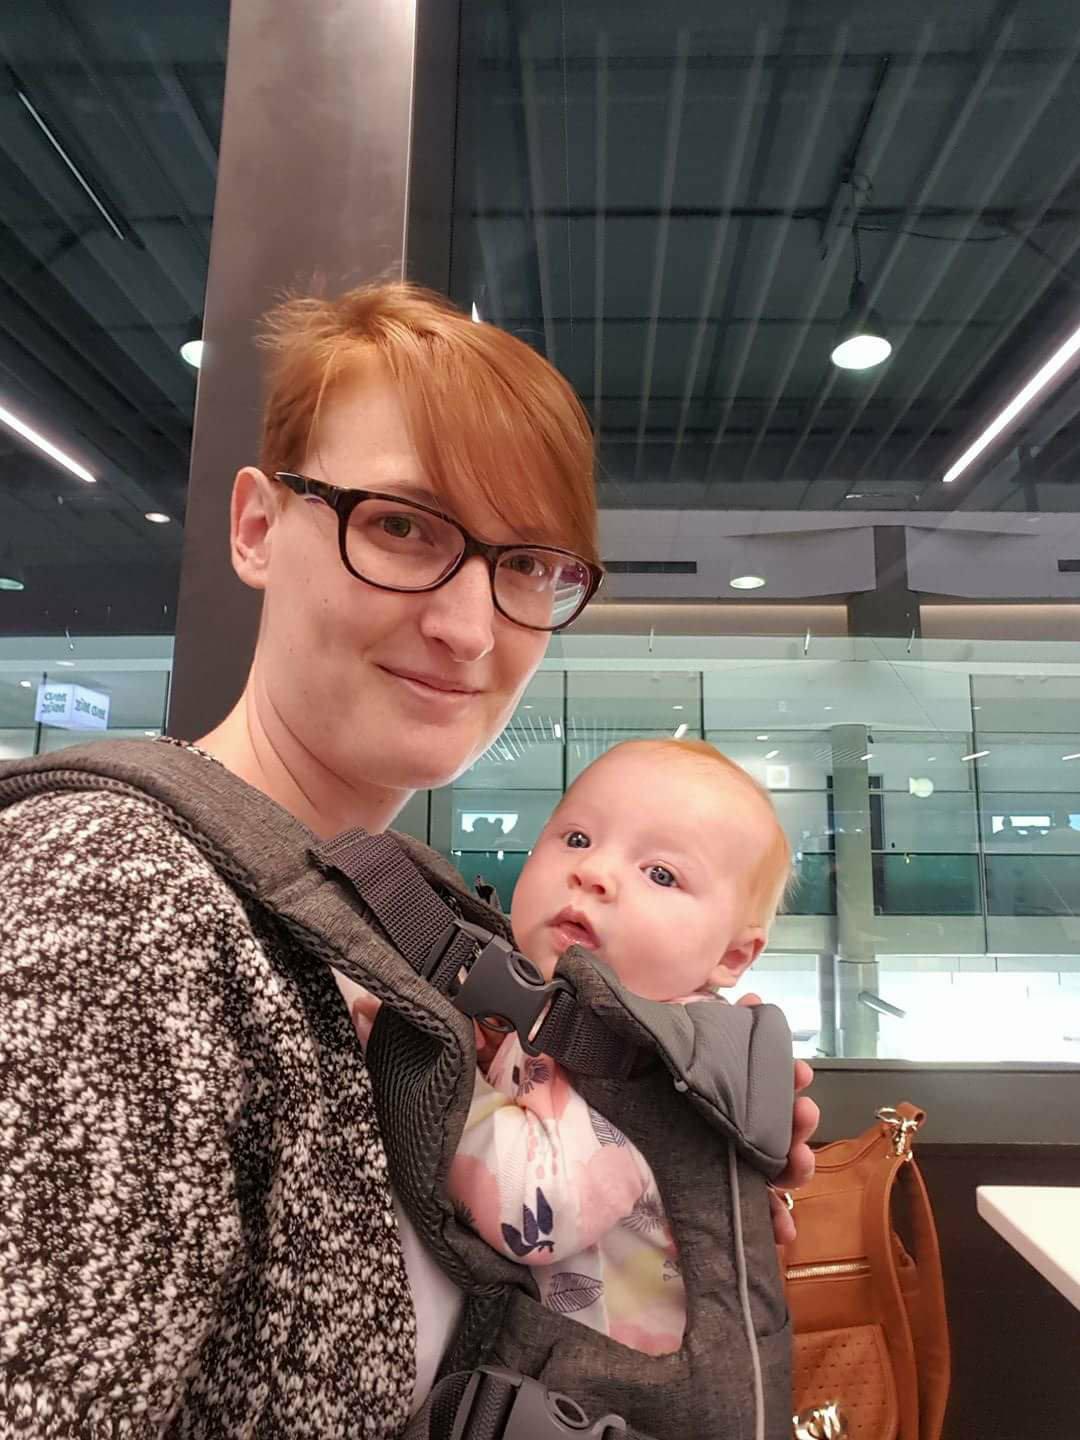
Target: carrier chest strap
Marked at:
495, 1404
500, 986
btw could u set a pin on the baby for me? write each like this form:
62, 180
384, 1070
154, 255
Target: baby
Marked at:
668, 862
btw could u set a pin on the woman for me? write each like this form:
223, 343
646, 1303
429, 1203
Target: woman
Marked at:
197, 1235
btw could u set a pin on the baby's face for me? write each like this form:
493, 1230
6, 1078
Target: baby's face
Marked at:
644, 863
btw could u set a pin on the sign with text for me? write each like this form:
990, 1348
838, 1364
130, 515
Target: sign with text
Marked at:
71, 707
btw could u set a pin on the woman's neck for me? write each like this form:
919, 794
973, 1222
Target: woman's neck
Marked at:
254, 743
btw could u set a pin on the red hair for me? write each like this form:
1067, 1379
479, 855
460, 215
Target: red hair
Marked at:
490, 418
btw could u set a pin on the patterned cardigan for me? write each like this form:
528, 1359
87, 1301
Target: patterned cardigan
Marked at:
196, 1227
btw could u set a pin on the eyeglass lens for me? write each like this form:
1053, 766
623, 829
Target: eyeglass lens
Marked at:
393, 544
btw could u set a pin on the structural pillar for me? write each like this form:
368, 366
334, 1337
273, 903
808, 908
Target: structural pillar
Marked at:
335, 112
856, 957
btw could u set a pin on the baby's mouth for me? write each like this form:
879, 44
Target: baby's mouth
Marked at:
573, 928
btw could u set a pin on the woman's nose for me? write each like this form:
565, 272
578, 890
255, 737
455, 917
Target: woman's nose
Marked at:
461, 613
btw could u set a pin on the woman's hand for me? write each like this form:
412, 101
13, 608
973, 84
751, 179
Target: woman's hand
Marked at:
800, 1166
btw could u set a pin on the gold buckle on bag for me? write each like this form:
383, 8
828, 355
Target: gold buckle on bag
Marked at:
827, 1422
903, 1131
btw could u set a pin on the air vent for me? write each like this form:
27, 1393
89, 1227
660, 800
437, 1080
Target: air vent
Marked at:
1069, 567
651, 567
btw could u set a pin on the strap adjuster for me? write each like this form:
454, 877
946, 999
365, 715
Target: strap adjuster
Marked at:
502, 990
535, 1412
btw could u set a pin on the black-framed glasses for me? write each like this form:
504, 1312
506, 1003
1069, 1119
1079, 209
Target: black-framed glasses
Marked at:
402, 545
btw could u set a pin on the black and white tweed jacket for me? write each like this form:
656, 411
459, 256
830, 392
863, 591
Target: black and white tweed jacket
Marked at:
196, 1229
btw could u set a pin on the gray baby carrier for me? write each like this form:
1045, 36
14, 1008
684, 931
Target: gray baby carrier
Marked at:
704, 1091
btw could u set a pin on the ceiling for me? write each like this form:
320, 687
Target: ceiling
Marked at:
97, 291
662, 199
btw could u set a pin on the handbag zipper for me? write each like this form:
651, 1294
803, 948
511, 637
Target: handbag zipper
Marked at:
832, 1267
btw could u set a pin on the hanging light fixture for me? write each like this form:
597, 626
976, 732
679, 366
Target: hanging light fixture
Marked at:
11, 572
191, 349
861, 342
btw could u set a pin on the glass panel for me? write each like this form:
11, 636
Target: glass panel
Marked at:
674, 205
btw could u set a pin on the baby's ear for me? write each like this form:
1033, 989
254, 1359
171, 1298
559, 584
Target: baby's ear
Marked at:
738, 957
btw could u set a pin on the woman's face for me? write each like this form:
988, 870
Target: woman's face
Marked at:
399, 691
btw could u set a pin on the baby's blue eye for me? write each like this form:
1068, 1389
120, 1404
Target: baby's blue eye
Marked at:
661, 875
577, 840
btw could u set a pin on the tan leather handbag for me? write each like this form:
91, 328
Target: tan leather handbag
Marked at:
865, 1291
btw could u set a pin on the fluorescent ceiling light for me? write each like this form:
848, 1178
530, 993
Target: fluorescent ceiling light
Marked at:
771, 754
761, 737
678, 707
975, 755
680, 731
747, 582
27, 684
868, 756
1039, 381
558, 730
67, 664
157, 517
1075, 756
192, 352
95, 198
54, 453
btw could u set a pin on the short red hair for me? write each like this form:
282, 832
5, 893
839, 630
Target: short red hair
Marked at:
489, 417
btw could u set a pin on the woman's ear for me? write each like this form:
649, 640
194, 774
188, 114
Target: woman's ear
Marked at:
738, 957
254, 509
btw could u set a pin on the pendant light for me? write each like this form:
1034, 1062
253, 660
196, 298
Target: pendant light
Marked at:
861, 341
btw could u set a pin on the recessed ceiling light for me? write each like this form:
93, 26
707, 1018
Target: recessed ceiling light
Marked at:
53, 451
558, 730
157, 517
975, 755
771, 754
868, 756
761, 737
677, 707
67, 664
828, 707
747, 582
27, 684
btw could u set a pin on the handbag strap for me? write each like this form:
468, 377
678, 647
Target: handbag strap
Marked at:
933, 1325
920, 1360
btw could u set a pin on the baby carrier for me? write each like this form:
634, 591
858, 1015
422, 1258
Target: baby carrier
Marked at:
704, 1091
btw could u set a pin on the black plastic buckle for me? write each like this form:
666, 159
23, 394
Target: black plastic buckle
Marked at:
502, 990
536, 1413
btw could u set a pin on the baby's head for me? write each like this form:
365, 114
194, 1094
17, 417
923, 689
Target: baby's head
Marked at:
667, 860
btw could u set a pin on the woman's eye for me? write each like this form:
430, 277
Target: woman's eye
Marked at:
661, 875
398, 527
577, 840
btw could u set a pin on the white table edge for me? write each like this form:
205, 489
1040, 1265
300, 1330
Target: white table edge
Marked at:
1060, 1267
